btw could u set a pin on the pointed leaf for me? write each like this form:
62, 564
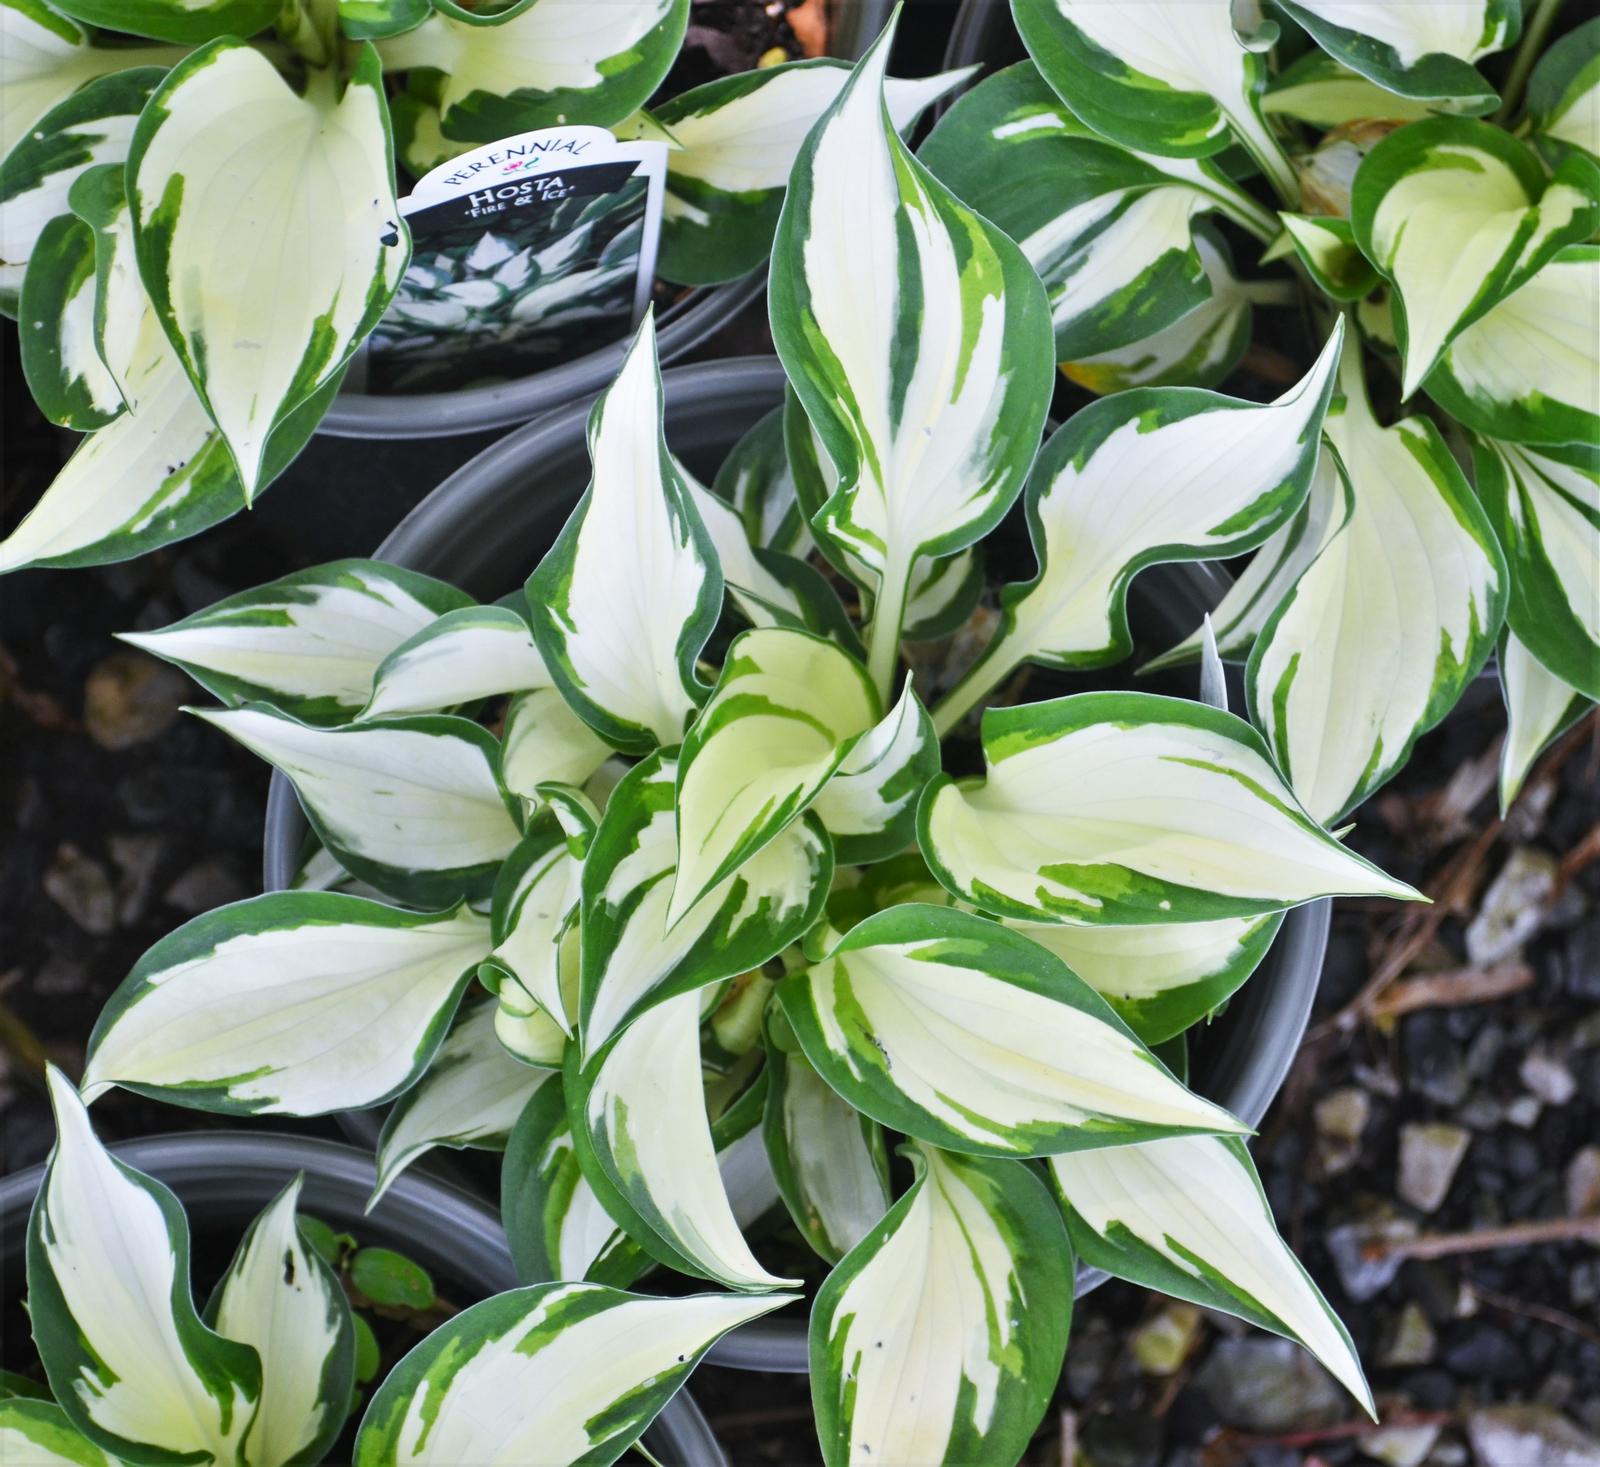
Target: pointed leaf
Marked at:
294, 1003
186, 21
552, 1373
279, 1297
787, 711
113, 1319
1539, 706
631, 957
462, 658
1457, 214
535, 899
262, 317
623, 602
39, 1433
1381, 635
1327, 248
1564, 92
940, 1337
60, 361
545, 742
915, 335
308, 643
755, 478
967, 1035
471, 1096
1317, 89
412, 805
1123, 809
1187, 1216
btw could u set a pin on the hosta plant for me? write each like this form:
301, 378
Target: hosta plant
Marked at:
199, 216
267, 1372
663, 862
1150, 150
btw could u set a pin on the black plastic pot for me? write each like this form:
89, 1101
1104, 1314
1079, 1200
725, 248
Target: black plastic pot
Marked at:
224, 1178
984, 32
485, 528
681, 327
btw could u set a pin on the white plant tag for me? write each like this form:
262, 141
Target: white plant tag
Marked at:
525, 253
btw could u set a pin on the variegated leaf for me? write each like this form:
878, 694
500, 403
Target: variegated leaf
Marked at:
372, 20
127, 335
60, 359
1187, 1216
308, 643
967, 1035
940, 1337
1158, 474
412, 805
1457, 214
39, 1433
293, 1003
91, 127
555, 1226
788, 710
542, 64
869, 806
554, 1373
1199, 349
1539, 705
460, 659
756, 479
470, 1096
1381, 635
281, 1299
1177, 80
829, 1160
1272, 573
1564, 93
527, 1032
1545, 506
624, 600
924, 366
1420, 51
262, 317
1123, 809
1526, 370
1164, 978
638, 1116
127, 1356
1111, 232
1317, 89
545, 742
1327, 248
189, 22
632, 957
737, 138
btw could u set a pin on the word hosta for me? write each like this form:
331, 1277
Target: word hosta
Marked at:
200, 226
653, 876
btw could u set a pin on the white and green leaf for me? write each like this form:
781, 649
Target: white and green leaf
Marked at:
1187, 1216
624, 600
1539, 706
1564, 93
1124, 809
189, 22
1327, 247
1424, 52
414, 806
757, 480
128, 1358
939, 1338
462, 658
308, 643
40, 1433
293, 1003
967, 1035
280, 1298
1317, 89
267, 230
545, 742
470, 1096
60, 359
1456, 214
916, 336
1383, 632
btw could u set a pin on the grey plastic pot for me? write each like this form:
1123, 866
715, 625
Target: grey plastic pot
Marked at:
486, 526
681, 327
224, 1178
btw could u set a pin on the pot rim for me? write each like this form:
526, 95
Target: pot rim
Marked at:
246, 1169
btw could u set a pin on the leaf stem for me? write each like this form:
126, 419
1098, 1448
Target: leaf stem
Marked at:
982, 678
1528, 50
883, 639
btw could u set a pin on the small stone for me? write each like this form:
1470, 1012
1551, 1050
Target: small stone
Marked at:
136, 858
1481, 1113
1269, 1385
1162, 1344
1399, 1446
203, 887
1583, 1183
1123, 1439
1362, 1276
1448, 1454
1412, 1340
1529, 1436
1579, 962
1486, 1352
1513, 908
130, 698
1429, 1156
1523, 1112
81, 888
1432, 1059
1546, 1077
1341, 1118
